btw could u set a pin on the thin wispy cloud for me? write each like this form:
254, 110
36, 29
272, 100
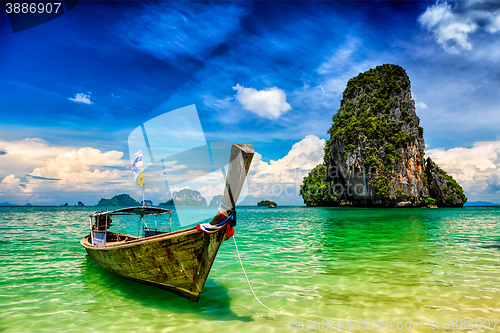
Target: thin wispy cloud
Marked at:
170, 29
342, 56
421, 105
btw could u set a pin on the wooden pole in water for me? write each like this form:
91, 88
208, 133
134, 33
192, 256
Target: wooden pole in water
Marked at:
91, 232
106, 230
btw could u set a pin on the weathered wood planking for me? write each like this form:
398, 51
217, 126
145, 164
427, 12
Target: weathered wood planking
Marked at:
179, 263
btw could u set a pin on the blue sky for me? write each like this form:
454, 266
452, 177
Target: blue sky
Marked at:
266, 73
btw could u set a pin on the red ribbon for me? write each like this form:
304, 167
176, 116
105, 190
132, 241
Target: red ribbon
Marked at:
229, 231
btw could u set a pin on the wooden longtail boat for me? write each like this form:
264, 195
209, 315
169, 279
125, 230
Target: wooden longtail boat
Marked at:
178, 261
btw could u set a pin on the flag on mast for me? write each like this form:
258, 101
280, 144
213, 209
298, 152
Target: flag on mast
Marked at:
137, 168
141, 179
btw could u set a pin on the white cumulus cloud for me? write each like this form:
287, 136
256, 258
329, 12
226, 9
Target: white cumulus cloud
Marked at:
452, 24
282, 178
11, 185
37, 172
268, 103
81, 98
477, 169
80, 166
22, 156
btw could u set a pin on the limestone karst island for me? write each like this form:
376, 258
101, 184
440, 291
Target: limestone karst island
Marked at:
375, 154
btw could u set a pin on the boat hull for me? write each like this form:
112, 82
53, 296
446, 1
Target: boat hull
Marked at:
179, 261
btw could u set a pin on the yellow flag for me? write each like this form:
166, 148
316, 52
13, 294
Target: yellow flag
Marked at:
141, 178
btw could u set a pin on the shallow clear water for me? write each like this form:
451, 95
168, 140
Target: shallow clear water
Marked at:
396, 265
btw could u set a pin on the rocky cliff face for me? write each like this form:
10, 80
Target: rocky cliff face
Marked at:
216, 200
188, 197
443, 187
375, 156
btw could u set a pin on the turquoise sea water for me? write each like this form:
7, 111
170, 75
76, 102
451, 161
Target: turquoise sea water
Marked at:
340, 264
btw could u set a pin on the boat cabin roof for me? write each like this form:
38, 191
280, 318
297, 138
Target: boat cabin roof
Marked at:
135, 211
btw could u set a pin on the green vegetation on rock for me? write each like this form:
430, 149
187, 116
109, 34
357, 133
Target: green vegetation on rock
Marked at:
457, 189
266, 203
315, 189
119, 200
216, 200
375, 154
364, 117
185, 197
188, 197
430, 201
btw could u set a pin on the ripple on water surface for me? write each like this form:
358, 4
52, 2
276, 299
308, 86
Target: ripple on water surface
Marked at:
335, 263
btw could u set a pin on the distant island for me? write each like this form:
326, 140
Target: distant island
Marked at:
6, 204
119, 200
267, 203
80, 204
167, 203
185, 197
375, 154
216, 200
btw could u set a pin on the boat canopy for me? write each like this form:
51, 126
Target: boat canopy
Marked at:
135, 211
